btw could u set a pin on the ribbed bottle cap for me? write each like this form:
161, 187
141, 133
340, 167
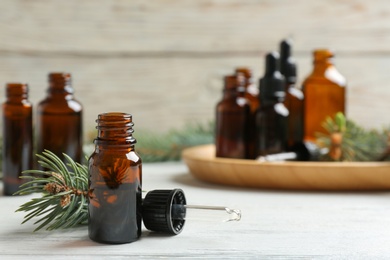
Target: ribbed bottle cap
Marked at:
157, 211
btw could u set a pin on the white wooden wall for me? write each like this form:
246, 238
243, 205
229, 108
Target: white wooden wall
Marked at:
163, 61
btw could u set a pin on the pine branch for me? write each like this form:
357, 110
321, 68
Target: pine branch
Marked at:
64, 188
347, 141
168, 146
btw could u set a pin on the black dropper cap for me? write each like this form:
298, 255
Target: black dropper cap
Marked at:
288, 65
272, 84
157, 211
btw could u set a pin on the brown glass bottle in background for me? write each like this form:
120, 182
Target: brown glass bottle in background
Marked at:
294, 96
251, 91
232, 120
59, 122
252, 95
115, 182
17, 136
325, 93
272, 114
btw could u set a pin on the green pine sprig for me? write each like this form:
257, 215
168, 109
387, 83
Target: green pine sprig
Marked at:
64, 188
355, 142
168, 146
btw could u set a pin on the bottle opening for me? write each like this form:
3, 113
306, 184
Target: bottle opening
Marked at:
17, 89
60, 82
115, 128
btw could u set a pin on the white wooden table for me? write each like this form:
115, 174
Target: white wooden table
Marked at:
275, 225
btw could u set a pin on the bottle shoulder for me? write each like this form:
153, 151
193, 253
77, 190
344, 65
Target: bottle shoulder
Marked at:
329, 75
55, 105
294, 93
276, 108
110, 155
236, 102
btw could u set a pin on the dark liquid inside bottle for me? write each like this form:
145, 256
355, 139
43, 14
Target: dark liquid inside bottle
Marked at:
115, 182
294, 104
232, 121
272, 122
252, 95
59, 124
114, 217
294, 100
272, 114
61, 134
17, 136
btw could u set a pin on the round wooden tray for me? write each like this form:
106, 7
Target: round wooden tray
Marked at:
203, 164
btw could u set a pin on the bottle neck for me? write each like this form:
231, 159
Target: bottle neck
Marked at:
60, 85
230, 93
17, 93
322, 60
115, 130
321, 65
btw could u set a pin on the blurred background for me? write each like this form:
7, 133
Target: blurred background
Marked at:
163, 61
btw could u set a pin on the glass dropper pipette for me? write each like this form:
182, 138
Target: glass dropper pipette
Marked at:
167, 210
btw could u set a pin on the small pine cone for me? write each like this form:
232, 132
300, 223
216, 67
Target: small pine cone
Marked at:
65, 200
54, 188
335, 151
58, 176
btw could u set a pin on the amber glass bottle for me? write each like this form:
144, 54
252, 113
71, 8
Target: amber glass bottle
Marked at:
17, 136
115, 182
325, 93
294, 96
232, 120
59, 122
251, 91
252, 95
272, 114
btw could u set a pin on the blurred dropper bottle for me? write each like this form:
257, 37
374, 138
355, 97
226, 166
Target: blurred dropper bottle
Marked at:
294, 100
272, 114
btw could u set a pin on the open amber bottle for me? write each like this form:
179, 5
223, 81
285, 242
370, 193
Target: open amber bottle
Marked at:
59, 122
232, 120
17, 136
294, 100
325, 93
115, 182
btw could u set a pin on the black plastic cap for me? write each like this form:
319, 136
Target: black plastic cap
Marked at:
157, 211
272, 85
288, 65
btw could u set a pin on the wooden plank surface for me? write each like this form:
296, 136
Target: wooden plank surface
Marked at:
163, 61
274, 225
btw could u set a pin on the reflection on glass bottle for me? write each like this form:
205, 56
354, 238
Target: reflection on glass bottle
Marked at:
325, 93
272, 113
17, 136
232, 120
294, 101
